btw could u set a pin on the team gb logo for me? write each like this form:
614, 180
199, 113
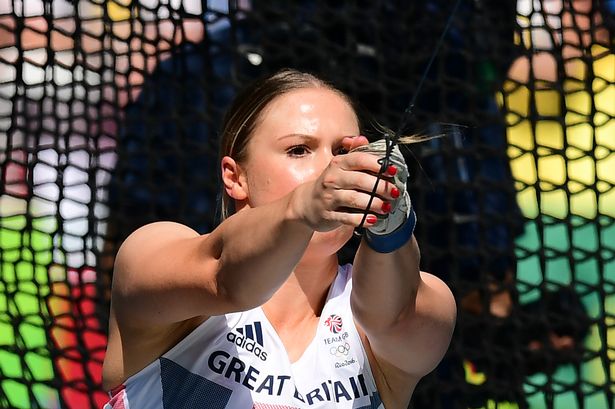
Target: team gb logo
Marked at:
334, 323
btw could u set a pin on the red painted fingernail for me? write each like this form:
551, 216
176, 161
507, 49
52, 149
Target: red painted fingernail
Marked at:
392, 170
395, 193
371, 219
386, 207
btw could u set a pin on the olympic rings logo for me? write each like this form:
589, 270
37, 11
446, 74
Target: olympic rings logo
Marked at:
340, 350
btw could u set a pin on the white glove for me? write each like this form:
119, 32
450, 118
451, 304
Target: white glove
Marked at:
393, 230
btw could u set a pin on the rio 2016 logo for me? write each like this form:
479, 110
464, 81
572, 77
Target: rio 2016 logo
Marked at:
334, 323
340, 350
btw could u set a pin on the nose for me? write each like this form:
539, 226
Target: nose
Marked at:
325, 158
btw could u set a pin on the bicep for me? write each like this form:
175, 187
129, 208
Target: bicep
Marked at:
417, 343
163, 274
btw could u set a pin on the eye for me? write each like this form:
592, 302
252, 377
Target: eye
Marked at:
298, 150
341, 151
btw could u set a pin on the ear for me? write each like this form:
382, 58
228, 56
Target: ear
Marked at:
234, 179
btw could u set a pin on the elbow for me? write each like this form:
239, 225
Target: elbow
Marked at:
437, 305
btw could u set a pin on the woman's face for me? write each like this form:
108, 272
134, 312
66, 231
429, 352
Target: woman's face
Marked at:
297, 136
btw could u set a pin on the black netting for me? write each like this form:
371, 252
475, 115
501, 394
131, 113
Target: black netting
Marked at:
109, 114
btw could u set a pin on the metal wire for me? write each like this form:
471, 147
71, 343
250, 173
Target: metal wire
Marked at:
392, 140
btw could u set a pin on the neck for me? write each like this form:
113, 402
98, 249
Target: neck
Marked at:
303, 295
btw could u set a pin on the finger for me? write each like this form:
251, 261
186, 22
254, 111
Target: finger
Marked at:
354, 201
351, 142
357, 161
352, 218
365, 182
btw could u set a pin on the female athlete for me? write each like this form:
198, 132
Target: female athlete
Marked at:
258, 313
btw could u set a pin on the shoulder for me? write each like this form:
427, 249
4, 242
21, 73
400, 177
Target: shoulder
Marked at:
155, 265
149, 238
162, 231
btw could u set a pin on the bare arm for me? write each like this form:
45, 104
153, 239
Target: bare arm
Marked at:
407, 315
166, 273
168, 279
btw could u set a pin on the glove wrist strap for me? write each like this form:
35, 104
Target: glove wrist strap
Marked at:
387, 243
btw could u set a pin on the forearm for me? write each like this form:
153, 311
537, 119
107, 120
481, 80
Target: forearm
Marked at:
256, 250
385, 285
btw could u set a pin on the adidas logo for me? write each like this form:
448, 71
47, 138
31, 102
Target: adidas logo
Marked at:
250, 338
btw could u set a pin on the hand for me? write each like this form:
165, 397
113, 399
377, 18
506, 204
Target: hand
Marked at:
339, 196
393, 231
402, 206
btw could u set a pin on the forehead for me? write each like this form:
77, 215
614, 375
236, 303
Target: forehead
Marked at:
309, 111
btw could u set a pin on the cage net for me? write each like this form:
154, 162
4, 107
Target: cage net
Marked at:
109, 114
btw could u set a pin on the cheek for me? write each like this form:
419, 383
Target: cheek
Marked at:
300, 173
272, 181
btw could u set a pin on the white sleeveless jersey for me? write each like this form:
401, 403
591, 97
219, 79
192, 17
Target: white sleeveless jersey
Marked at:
237, 361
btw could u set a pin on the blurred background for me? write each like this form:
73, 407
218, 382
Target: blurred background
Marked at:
109, 116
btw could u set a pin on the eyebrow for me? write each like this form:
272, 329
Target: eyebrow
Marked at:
302, 136
297, 135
